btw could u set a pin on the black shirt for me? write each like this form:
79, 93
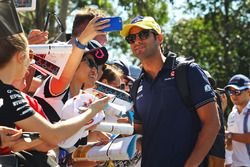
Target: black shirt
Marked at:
13, 106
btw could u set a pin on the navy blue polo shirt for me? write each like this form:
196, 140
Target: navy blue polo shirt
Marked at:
170, 131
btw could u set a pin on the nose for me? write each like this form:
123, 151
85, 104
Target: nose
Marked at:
138, 40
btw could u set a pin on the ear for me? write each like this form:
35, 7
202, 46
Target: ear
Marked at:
160, 38
19, 57
248, 92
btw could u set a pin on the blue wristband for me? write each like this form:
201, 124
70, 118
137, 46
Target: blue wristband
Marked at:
78, 44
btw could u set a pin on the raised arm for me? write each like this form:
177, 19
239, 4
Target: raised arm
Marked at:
93, 29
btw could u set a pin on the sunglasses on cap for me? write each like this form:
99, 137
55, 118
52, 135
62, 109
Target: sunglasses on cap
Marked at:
90, 62
235, 92
144, 34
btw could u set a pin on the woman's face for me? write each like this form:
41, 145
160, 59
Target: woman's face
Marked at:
86, 72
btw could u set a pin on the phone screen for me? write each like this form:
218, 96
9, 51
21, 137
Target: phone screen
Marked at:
115, 24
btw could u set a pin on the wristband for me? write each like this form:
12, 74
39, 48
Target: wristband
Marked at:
78, 44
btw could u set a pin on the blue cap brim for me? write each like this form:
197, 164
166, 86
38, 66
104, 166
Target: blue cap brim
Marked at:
237, 87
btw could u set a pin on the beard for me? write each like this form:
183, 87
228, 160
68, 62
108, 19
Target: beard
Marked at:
144, 52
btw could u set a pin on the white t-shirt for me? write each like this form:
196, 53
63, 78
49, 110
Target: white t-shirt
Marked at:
235, 125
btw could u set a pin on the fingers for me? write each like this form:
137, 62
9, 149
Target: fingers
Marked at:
9, 136
123, 120
101, 24
10, 131
99, 104
93, 29
38, 37
16, 136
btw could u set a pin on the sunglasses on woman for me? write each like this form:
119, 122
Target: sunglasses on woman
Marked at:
90, 62
144, 34
235, 92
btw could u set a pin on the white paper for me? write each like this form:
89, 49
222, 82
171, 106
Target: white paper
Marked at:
115, 128
51, 58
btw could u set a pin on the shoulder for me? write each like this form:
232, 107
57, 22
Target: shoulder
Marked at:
8, 92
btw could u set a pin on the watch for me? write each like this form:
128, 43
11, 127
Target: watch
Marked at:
79, 44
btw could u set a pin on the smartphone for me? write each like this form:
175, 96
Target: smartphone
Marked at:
115, 24
29, 136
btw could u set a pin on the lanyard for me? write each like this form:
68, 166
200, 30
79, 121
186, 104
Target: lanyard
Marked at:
245, 129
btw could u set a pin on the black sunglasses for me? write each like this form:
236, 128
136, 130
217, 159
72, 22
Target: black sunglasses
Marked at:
144, 34
235, 92
90, 62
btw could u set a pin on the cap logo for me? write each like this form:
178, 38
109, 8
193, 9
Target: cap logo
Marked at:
207, 88
99, 54
137, 19
239, 82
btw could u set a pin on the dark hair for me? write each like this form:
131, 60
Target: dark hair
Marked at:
11, 45
82, 19
110, 74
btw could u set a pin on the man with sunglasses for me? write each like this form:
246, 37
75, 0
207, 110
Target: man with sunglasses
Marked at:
238, 132
172, 135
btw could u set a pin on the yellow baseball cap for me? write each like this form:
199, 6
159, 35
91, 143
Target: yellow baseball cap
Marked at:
146, 22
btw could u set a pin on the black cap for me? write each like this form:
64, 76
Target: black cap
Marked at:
9, 20
99, 52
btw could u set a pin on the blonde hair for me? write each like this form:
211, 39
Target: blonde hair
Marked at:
11, 45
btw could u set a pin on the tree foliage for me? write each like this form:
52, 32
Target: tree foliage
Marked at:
218, 37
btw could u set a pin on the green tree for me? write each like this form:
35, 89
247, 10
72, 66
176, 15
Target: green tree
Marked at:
217, 37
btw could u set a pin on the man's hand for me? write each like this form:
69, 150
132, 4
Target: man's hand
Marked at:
38, 37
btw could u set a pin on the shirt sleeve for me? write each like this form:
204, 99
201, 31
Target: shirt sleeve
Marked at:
200, 88
14, 106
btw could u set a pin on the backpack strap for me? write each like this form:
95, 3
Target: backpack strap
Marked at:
181, 77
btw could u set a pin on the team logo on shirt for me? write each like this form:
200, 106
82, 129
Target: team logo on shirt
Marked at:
139, 89
1, 102
9, 91
207, 88
139, 92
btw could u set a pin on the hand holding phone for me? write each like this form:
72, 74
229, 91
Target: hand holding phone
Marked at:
29, 136
115, 24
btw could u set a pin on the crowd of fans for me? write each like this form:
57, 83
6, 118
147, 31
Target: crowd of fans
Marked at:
172, 135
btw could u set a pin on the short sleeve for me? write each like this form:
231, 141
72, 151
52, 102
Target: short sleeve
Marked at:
200, 88
14, 107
